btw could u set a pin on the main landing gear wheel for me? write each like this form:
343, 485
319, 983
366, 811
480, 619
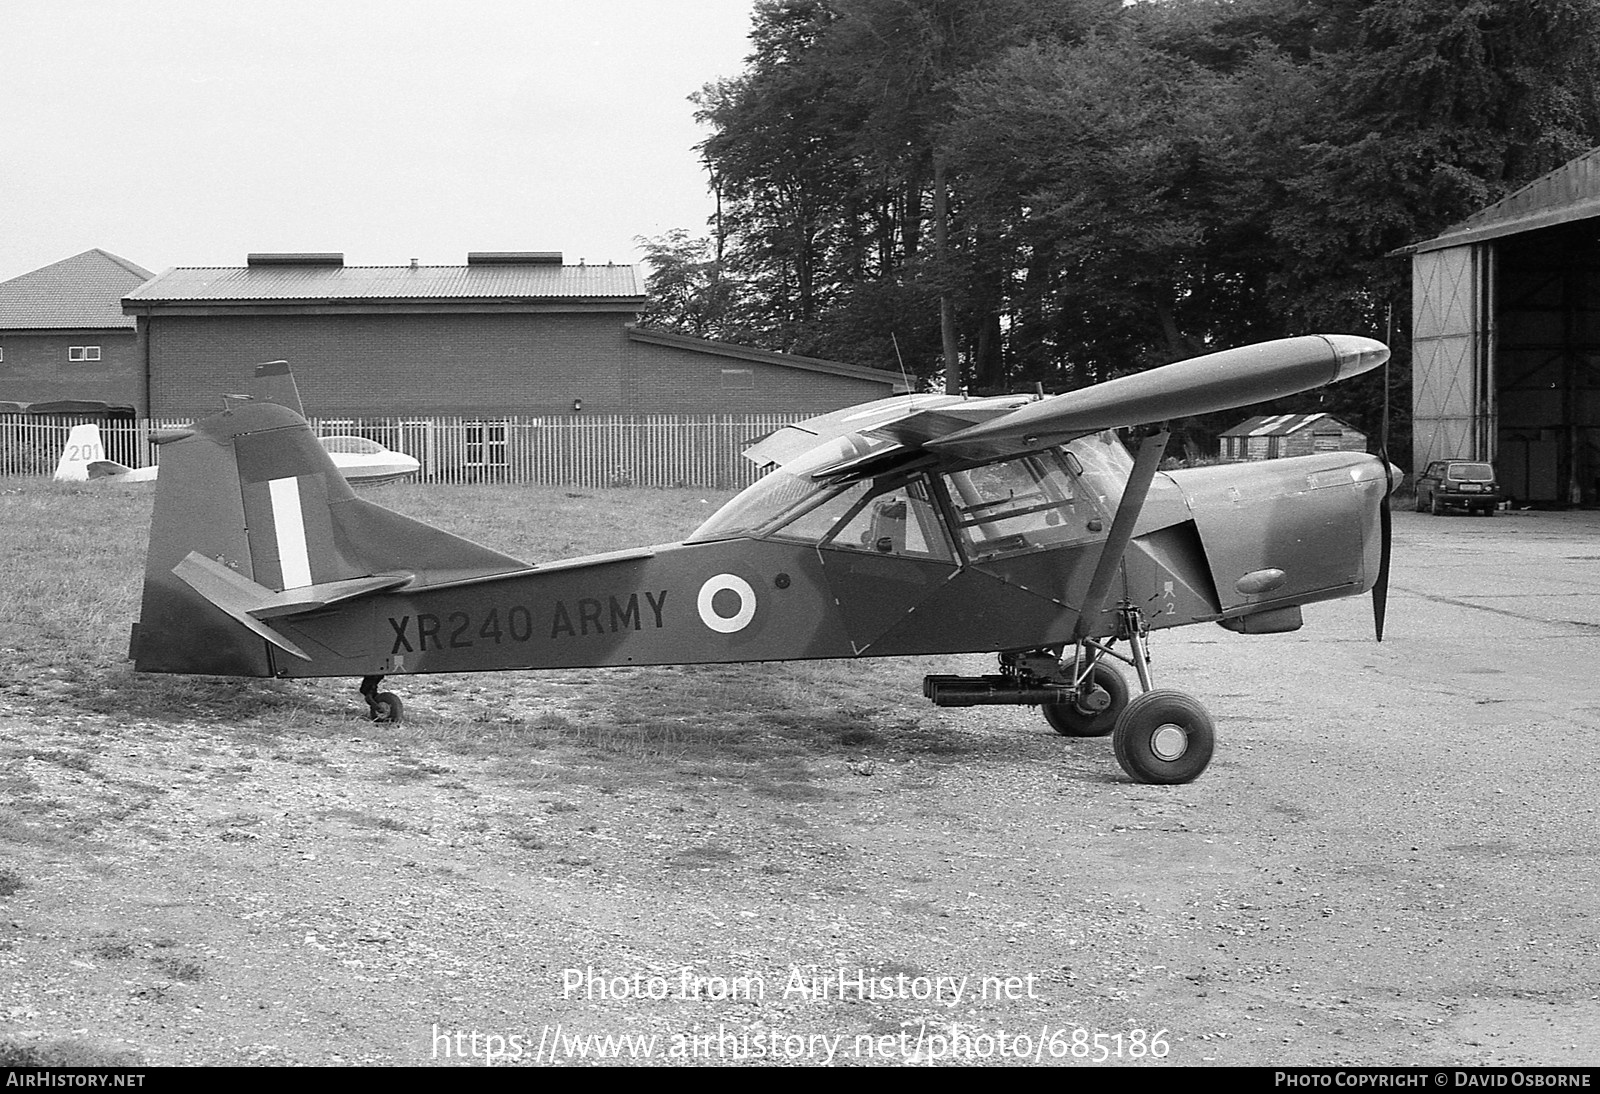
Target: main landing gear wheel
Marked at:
1164, 737
1079, 717
385, 707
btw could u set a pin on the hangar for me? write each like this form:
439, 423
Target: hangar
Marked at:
1506, 339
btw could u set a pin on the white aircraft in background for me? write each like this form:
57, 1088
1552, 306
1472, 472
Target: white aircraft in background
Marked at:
363, 462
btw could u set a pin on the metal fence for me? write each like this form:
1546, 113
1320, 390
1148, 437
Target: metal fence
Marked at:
577, 450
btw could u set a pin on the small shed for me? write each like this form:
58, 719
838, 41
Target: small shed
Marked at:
1269, 436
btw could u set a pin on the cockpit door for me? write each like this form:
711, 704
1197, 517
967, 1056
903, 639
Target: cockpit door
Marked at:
885, 554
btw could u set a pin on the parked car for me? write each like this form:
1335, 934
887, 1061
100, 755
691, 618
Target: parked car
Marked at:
1458, 484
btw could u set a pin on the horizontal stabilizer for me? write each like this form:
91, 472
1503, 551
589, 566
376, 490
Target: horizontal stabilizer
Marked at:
105, 469
234, 594
312, 597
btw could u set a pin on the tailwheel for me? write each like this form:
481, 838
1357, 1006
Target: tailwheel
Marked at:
1094, 709
382, 706
1164, 737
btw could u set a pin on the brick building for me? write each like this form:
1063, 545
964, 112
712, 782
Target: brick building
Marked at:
506, 335
64, 337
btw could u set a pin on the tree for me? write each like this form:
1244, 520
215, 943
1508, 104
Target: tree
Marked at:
688, 291
1060, 191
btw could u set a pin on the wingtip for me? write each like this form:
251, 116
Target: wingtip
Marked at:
1354, 354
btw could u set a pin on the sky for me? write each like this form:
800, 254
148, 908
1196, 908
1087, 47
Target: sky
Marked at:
193, 132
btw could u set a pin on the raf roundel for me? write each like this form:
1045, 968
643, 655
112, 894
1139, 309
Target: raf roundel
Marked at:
727, 624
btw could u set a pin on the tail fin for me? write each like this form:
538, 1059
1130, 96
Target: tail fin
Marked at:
274, 383
253, 521
83, 448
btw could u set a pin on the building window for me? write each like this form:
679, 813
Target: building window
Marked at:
739, 379
83, 353
486, 444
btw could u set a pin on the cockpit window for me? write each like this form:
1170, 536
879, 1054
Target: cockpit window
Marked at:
895, 520
783, 494
1104, 465
358, 446
778, 496
893, 516
1016, 505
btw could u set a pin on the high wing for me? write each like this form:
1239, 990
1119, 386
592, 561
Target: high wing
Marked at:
890, 431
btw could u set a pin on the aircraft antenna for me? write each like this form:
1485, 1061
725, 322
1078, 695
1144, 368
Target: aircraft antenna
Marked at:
903, 374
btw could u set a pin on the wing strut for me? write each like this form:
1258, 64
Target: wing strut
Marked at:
1151, 450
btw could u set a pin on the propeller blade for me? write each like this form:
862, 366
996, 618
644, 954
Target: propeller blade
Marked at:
1380, 590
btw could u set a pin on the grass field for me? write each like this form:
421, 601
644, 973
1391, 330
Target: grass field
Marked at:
72, 559
71, 567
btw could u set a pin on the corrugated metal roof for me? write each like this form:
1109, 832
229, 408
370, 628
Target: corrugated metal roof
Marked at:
1571, 192
84, 291
896, 382
1278, 425
227, 284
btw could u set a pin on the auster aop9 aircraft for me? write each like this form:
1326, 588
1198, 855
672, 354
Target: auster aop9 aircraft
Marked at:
921, 524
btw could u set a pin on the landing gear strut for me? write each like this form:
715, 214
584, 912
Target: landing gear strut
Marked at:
1158, 736
1162, 736
382, 706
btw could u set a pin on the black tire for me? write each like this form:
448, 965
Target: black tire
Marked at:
1436, 509
1421, 507
1147, 747
386, 708
1070, 720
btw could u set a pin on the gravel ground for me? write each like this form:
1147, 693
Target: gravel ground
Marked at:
1392, 860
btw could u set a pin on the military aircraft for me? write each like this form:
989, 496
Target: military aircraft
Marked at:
362, 461
921, 524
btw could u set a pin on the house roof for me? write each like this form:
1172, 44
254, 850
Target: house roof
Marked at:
1280, 425
81, 292
324, 279
898, 384
1571, 192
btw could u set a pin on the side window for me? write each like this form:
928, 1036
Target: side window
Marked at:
1016, 505
897, 522
894, 520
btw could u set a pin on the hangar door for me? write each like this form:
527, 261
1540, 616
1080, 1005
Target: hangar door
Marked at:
1547, 364
1452, 408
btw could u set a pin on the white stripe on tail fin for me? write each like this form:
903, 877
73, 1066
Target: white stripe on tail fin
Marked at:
294, 559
